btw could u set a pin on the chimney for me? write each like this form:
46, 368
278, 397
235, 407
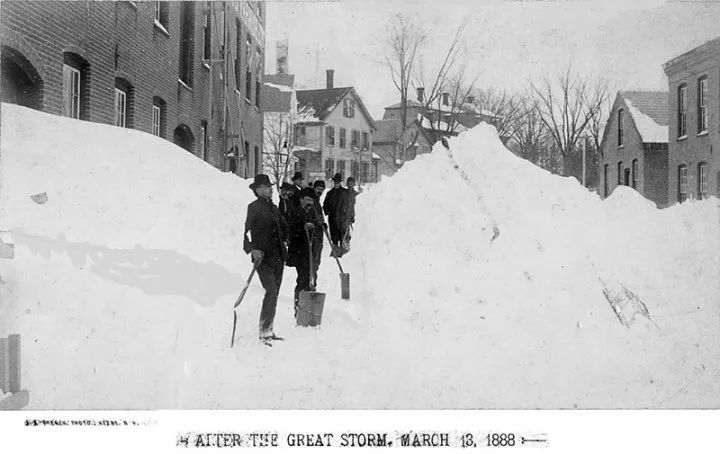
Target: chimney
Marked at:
471, 99
329, 73
446, 99
421, 94
281, 56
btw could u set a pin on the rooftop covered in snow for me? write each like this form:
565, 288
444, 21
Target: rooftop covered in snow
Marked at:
649, 111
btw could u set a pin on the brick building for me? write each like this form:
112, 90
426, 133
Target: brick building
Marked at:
694, 141
144, 65
635, 145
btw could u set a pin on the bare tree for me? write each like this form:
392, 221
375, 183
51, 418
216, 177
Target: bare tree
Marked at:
567, 104
449, 81
279, 142
507, 108
528, 135
403, 40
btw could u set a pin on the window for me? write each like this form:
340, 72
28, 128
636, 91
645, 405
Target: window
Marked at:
682, 183
248, 67
702, 105
123, 103
620, 128
365, 172
365, 141
330, 135
634, 173
158, 117
341, 168
204, 141
355, 139
682, 111
238, 52
120, 107
702, 180
606, 173
329, 166
155, 120
187, 19
355, 170
161, 14
258, 77
343, 138
247, 157
348, 108
620, 167
207, 31
71, 91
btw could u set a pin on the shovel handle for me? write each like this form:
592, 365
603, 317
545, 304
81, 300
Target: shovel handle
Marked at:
332, 246
310, 257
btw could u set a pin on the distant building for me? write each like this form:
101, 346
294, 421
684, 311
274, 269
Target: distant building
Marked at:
425, 126
146, 66
634, 146
333, 134
694, 141
393, 150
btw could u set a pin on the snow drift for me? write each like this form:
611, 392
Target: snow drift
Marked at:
129, 270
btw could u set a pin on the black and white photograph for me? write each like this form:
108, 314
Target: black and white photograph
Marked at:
360, 205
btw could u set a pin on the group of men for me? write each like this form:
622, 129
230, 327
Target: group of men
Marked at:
292, 234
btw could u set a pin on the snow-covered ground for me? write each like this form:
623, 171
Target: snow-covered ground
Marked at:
123, 282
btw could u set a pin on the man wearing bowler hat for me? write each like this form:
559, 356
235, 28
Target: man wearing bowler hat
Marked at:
266, 234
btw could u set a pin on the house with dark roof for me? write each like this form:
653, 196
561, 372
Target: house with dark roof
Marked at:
694, 142
332, 134
444, 118
634, 146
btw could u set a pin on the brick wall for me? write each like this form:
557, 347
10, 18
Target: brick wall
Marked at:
119, 40
695, 147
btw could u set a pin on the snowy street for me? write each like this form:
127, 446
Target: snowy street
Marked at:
123, 282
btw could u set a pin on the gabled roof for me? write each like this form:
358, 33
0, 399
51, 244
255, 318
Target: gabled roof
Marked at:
324, 101
650, 113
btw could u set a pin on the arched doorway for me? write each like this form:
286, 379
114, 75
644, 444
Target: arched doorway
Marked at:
21, 83
183, 137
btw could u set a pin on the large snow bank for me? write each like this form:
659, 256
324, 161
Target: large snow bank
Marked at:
129, 270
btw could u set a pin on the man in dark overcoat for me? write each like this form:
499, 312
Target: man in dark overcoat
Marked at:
336, 209
303, 223
266, 234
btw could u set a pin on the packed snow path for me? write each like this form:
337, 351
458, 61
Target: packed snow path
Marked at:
123, 282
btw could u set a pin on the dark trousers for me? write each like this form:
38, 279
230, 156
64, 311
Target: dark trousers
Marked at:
270, 272
336, 234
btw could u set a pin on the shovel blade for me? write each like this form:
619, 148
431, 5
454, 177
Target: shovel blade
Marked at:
310, 308
345, 286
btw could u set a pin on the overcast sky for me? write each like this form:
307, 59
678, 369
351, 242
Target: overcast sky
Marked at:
506, 42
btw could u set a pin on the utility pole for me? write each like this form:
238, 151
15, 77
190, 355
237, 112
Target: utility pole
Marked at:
584, 146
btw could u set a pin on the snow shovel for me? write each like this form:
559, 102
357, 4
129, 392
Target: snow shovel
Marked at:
344, 277
310, 302
238, 301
